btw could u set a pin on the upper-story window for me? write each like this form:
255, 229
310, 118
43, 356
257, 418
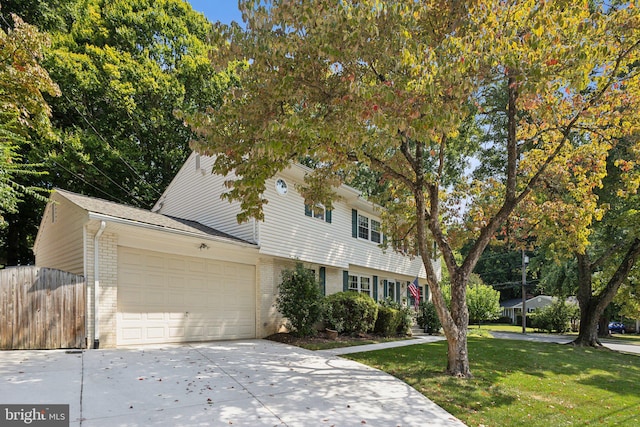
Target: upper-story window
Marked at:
366, 228
376, 235
318, 211
363, 227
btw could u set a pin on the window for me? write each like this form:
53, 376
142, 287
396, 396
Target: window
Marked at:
391, 290
363, 227
281, 186
318, 211
360, 284
375, 231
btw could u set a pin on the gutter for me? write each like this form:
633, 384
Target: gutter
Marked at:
96, 285
116, 220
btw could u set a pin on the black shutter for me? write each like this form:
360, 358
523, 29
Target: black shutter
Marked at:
354, 223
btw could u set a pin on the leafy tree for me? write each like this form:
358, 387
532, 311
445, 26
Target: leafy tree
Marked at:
598, 270
300, 300
125, 68
483, 302
628, 298
46, 15
399, 87
23, 110
501, 267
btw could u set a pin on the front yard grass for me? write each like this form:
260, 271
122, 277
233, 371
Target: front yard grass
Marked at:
518, 383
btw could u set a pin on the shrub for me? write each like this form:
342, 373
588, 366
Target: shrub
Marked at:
483, 302
351, 312
428, 318
503, 319
555, 317
388, 321
300, 300
405, 316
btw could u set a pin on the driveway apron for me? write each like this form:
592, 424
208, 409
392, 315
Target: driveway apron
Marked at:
230, 383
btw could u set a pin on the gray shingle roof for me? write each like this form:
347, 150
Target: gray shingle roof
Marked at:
143, 216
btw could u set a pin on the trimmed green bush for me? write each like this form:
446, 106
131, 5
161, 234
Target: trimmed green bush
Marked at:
300, 300
351, 312
388, 321
554, 318
428, 318
405, 316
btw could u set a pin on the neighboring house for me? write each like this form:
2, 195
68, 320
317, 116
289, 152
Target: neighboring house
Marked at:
187, 271
513, 308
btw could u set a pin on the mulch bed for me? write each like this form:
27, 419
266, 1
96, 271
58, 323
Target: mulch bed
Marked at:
321, 337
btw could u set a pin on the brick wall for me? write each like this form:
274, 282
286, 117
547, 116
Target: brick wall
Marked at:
108, 276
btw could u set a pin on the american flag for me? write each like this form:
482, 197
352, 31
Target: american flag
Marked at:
415, 292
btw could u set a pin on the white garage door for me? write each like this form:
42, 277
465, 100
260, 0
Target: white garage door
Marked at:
167, 298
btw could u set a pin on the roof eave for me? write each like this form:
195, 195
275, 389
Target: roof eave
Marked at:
116, 220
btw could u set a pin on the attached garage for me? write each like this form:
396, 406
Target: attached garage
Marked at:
151, 278
166, 298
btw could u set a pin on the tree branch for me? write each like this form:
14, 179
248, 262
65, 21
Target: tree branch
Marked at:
606, 255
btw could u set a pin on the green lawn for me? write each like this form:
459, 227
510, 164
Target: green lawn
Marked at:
500, 327
519, 383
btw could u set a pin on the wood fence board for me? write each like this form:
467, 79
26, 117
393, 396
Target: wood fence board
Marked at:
41, 308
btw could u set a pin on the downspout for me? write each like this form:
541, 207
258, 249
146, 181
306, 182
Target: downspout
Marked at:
96, 285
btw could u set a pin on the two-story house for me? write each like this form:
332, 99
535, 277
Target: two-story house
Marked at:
187, 271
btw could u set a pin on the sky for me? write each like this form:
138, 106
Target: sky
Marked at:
224, 11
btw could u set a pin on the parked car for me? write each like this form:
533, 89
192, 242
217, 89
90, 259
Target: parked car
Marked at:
617, 327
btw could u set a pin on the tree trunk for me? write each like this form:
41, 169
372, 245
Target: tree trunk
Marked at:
456, 320
588, 334
457, 354
592, 305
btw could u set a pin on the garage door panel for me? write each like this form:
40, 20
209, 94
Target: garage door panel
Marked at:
155, 316
214, 268
177, 264
155, 332
196, 266
131, 334
168, 298
131, 316
153, 261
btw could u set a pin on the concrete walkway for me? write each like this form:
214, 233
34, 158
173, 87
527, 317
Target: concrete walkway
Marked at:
239, 383
423, 339
420, 339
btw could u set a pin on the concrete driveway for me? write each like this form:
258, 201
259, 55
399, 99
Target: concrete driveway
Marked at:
238, 383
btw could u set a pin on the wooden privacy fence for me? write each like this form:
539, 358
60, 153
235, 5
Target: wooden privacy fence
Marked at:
41, 308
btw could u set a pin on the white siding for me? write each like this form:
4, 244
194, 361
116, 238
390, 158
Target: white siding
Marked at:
288, 233
59, 242
195, 195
